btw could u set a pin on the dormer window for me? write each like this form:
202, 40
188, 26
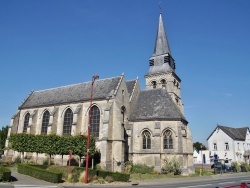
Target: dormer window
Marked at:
153, 84
151, 62
166, 59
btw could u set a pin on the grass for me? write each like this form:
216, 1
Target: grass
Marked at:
164, 176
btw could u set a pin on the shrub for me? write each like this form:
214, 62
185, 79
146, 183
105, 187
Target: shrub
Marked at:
39, 173
46, 161
171, 166
5, 173
236, 166
128, 167
101, 181
117, 176
109, 179
17, 159
142, 168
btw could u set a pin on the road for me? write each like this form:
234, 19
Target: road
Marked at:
215, 181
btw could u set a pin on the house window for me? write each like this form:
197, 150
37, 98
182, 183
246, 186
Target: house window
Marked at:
238, 146
215, 146
226, 146
68, 120
26, 122
167, 140
95, 121
45, 122
146, 140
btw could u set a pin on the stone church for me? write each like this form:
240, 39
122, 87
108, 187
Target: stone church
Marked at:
143, 126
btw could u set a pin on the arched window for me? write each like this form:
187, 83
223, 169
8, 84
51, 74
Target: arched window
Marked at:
163, 83
68, 120
167, 140
146, 140
45, 122
153, 84
26, 122
95, 121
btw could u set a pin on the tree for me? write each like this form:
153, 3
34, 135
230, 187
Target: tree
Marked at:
3, 136
80, 146
64, 145
199, 146
50, 145
20, 143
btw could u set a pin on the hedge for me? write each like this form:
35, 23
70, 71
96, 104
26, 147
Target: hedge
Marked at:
116, 175
39, 173
5, 173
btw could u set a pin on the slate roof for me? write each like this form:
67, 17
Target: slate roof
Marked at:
234, 133
155, 104
130, 86
161, 42
72, 93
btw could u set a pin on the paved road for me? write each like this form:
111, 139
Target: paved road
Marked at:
23, 181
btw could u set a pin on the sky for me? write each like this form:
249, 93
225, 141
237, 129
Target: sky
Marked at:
46, 44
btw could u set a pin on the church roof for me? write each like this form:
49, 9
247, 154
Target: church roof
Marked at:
155, 104
234, 133
72, 93
130, 86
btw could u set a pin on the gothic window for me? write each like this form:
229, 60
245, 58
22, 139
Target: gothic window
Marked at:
45, 122
153, 83
68, 120
26, 122
163, 83
95, 121
146, 140
167, 140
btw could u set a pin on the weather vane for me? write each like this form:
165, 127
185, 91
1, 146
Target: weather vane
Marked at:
160, 6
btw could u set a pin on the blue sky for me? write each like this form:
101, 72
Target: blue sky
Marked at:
46, 44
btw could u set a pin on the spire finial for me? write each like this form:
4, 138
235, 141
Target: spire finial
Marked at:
160, 6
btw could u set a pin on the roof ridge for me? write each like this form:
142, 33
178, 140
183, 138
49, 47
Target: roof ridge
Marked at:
73, 84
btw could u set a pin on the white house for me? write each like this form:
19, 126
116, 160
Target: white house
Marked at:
231, 144
201, 156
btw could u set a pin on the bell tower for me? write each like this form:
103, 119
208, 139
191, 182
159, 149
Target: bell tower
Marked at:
161, 72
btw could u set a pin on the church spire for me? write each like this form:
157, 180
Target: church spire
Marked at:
161, 73
161, 42
161, 61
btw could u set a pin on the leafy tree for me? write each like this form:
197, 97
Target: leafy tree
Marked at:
50, 145
19, 142
80, 146
37, 145
63, 145
199, 146
3, 136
